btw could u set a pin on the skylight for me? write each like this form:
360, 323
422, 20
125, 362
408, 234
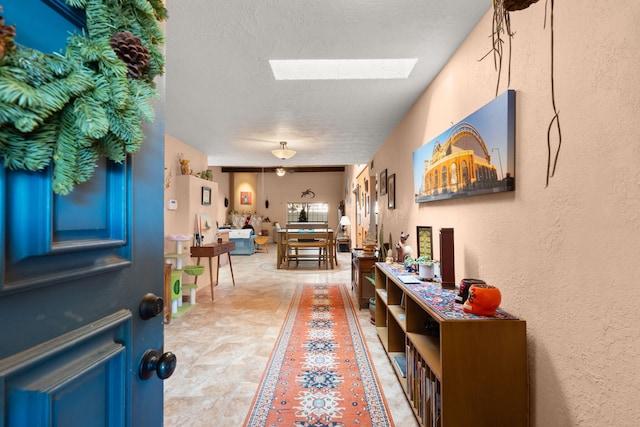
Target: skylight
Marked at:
341, 69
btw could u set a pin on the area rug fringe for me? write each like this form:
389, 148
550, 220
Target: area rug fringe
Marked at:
319, 373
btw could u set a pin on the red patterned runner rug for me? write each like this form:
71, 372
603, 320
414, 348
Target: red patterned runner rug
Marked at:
320, 374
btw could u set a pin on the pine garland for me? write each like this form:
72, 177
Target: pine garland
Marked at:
67, 111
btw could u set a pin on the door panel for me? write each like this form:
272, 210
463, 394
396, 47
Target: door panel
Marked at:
77, 235
73, 271
85, 368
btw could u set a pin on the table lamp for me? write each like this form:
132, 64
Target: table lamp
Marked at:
344, 222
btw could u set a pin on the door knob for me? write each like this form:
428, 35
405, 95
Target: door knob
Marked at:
151, 306
164, 365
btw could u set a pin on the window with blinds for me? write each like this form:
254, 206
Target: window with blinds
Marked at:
307, 212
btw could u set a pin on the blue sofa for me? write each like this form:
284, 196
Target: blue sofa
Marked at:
244, 241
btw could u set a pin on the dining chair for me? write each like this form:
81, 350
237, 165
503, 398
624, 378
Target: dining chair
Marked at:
296, 244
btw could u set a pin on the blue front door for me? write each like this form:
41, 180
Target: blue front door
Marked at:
74, 272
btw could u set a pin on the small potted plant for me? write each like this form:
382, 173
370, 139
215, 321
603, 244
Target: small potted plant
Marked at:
425, 267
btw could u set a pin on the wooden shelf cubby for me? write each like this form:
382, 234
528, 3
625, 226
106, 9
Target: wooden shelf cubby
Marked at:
461, 369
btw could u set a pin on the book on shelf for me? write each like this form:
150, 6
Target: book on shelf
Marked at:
401, 363
423, 388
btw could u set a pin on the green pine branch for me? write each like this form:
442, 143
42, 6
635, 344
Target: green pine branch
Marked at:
28, 151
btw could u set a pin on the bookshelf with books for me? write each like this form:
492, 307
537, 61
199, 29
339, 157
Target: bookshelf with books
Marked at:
460, 369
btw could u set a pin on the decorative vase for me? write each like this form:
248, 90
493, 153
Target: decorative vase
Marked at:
369, 245
184, 167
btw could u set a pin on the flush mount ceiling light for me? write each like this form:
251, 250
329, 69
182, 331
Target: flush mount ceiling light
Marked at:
341, 69
283, 153
280, 171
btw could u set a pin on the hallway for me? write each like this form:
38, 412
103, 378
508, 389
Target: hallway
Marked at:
223, 346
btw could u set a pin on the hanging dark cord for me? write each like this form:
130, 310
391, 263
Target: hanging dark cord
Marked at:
501, 24
499, 16
556, 114
510, 35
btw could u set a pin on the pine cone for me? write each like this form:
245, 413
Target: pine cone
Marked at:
130, 50
7, 33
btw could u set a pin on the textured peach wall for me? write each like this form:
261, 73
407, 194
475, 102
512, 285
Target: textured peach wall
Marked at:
563, 255
173, 220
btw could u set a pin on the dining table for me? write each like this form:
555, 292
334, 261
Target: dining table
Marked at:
304, 234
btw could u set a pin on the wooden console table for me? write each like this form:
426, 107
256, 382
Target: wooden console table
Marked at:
361, 266
214, 250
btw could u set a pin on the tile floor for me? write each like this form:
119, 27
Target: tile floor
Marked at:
223, 346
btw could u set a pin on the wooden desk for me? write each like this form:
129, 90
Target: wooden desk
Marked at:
305, 234
214, 250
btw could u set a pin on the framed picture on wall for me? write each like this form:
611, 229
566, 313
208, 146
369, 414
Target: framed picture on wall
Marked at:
425, 241
206, 195
391, 191
383, 182
245, 197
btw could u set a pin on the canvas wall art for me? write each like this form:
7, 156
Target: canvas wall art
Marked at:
473, 157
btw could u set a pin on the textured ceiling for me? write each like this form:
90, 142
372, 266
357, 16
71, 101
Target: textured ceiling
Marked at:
222, 98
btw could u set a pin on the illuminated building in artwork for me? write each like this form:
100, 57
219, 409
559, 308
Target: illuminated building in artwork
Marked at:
461, 164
